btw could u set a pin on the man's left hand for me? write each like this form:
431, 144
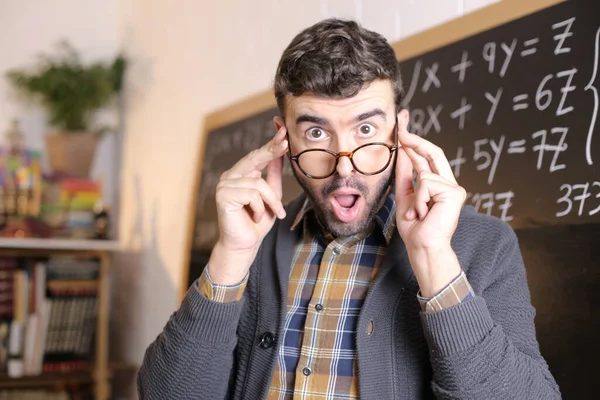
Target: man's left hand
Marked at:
427, 213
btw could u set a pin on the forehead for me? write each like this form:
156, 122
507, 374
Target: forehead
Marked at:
378, 94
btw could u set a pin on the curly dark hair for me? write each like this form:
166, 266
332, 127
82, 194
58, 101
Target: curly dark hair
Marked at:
335, 58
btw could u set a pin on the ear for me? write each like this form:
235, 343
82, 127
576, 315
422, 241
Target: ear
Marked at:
403, 119
278, 122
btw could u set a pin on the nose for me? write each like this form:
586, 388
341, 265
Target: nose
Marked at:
344, 167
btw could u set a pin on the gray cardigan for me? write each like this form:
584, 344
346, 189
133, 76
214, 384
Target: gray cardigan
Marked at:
484, 348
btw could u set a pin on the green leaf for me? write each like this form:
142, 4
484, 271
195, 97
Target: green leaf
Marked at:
70, 91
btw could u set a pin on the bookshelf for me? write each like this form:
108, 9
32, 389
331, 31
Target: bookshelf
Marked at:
47, 380
99, 375
58, 244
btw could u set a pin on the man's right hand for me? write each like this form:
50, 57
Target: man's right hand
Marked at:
247, 206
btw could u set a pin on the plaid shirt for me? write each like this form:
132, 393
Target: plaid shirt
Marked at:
329, 281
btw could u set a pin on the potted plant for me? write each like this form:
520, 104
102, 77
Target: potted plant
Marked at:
71, 93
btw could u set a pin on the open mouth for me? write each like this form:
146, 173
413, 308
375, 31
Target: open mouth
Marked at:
346, 206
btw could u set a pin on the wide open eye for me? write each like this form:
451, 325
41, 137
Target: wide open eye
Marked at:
316, 134
366, 130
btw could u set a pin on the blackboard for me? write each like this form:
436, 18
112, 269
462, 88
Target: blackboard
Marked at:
564, 280
510, 93
515, 110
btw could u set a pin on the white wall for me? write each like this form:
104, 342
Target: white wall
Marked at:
29, 27
192, 58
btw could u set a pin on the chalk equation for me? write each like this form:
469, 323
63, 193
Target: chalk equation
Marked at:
490, 85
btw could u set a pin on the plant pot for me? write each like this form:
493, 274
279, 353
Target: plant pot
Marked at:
71, 153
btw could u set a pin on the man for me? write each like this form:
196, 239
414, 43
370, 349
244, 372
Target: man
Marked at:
366, 286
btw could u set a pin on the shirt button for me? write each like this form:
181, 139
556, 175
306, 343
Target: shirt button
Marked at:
306, 371
319, 307
336, 251
267, 341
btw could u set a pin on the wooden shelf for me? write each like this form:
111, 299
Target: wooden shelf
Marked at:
59, 244
101, 376
68, 378
48, 379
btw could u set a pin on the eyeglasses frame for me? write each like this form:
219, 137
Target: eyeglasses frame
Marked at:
349, 154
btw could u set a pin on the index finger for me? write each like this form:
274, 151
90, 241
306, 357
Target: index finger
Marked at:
404, 174
433, 154
258, 159
404, 183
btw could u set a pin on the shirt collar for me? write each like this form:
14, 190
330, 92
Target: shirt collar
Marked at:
385, 218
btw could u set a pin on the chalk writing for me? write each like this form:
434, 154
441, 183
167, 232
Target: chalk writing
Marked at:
461, 113
590, 86
529, 49
520, 102
456, 162
580, 192
422, 124
494, 100
561, 37
461, 68
512, 107
489, 160
413, 84
489, 55
489, 202
431, 77
568, 87
544, 147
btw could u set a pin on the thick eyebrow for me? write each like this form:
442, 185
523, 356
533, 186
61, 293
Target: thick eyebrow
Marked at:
322, 121
311, 118
369, 114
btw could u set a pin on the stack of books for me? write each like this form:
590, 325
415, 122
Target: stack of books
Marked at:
37, 205
48, 314
69, 206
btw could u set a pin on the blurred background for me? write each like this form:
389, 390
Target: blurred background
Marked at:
98, 187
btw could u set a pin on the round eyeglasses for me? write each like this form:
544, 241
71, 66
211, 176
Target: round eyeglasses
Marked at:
368, 159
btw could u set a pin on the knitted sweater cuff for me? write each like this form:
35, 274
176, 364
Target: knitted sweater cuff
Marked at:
456, 329
207, 320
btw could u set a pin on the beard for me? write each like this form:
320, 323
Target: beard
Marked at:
372, 197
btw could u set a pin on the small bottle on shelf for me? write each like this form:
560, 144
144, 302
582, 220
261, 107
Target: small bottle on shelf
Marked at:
101, 219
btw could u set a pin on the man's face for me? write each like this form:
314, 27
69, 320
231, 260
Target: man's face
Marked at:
345, 202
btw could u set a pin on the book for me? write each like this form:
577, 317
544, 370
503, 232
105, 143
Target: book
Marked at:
50, 314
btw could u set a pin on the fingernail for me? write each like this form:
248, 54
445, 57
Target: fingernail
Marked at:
281, 214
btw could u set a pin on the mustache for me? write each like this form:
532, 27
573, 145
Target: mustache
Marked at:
350, 182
